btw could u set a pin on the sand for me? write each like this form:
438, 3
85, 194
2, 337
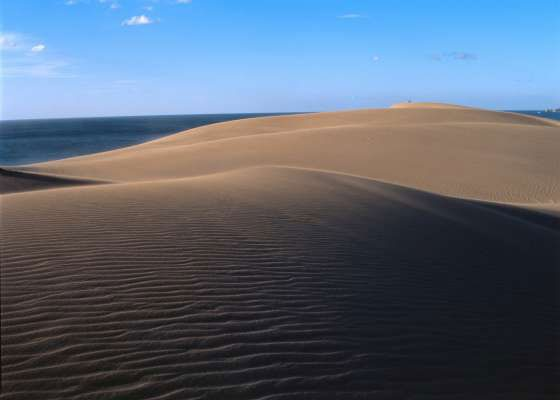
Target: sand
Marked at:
401, 253
14, 181
453, 151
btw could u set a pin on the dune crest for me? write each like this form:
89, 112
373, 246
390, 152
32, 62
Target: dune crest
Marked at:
454, 151
422, 105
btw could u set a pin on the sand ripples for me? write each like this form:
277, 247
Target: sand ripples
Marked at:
274, 283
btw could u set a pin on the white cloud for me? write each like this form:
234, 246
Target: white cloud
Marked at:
23, 60
19, 43
350, 16
114, 6
376, 58
38, 48
183, 1
71, 2
138, 20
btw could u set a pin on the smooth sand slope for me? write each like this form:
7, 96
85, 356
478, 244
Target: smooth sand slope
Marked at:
337, 255
455, 151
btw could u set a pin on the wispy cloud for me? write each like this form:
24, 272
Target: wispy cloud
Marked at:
183, 1
16, 42
38, 48
10, 41
454, 55
350, 16
464, 56
23, 58
137, 20
113, 4
22, 67
376, 58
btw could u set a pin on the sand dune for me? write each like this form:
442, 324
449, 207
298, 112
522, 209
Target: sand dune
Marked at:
431, 106
265, 259
461, 152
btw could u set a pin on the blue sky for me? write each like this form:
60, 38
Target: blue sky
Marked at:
68, 58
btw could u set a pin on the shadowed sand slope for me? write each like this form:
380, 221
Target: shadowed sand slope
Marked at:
450, 150
13, 181
275, 283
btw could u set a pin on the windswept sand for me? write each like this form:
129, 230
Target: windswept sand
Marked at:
404, 253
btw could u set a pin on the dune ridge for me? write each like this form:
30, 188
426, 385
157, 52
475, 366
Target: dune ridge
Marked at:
469, 153
334, 255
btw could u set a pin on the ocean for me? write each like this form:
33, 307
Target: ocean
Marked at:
543, 114
31, 141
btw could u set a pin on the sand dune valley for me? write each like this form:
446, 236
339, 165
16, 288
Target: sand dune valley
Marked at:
401, 253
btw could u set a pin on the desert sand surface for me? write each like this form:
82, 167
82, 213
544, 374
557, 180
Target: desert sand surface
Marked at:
402, 253
450, 150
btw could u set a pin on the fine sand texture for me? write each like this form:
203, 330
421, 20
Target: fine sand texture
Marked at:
403, 253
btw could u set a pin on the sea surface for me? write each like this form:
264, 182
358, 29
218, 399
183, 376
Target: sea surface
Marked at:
30, 141
543, 114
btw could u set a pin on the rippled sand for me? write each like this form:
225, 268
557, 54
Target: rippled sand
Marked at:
407, 253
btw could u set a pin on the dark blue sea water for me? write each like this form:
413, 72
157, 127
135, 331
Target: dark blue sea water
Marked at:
543, 114
30, 141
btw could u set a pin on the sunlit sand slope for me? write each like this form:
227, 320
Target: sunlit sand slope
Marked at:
455, 151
